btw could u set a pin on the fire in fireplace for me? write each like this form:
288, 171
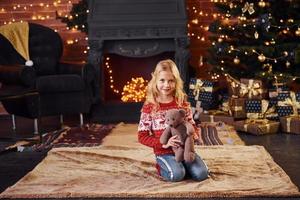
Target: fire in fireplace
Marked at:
119, 71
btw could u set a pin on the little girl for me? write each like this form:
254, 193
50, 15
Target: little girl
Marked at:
164, 92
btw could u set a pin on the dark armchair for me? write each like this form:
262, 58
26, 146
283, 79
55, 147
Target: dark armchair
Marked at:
49, 87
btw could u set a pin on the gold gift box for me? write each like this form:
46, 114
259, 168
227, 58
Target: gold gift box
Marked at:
237, 108
290, 124
257, 127
216, 116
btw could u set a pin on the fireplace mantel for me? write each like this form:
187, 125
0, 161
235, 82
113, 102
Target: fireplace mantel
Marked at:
135, 28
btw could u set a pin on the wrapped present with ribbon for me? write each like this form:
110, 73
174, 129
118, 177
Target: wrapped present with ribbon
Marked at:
253, 105
257, 126
197, 86
265, 111
277, 88
233, 87
288, 104
237, 108
216, 116
252, 89
204, 91
271, 113
273, 102
192, 86
290, 124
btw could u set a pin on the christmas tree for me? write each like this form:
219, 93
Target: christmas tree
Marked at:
77, 19
257, 39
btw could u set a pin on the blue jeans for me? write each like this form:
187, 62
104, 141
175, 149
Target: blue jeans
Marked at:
174, 171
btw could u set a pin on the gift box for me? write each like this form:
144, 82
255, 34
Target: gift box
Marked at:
290, 124
273, 102
216, 116
199, 106
273, 116
288, 103
253, 105
237, 108
192, 86
257, 127
277, 88
252, 89
260, 109
233, 88
263, 111
204, 91
196, 86
207, 96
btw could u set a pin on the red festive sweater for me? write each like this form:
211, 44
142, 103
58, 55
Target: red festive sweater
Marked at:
152, 125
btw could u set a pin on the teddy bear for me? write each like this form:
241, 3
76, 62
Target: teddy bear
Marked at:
177, 125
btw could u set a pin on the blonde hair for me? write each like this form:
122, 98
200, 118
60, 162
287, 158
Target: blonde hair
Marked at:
152, 91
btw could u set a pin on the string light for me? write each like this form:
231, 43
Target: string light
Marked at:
196, 31
261, 57
287, 27
110, 72
135, 90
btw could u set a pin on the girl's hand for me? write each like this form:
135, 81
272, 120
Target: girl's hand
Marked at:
172, 142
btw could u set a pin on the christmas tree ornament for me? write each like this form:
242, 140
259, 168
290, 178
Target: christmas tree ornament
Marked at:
261, 57
256, 35
269, 67
262, 4
236, 60
297, 32
255, 29
201, 60
248, 7
273, 41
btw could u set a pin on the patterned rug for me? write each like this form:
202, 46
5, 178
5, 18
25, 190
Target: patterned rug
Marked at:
93, 134
85, 136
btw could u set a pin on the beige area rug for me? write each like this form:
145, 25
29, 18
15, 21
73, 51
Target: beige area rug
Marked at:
116, 171
126, 134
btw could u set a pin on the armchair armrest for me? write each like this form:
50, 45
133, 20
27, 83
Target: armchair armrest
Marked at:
68, 67
87, 72
17, 74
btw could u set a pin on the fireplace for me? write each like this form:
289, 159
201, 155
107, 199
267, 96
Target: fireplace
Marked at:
120, 71
145, 31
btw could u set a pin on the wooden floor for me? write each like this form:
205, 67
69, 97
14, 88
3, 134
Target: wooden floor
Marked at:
284, 148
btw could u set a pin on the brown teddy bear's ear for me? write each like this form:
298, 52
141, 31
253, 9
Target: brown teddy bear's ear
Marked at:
182, 112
